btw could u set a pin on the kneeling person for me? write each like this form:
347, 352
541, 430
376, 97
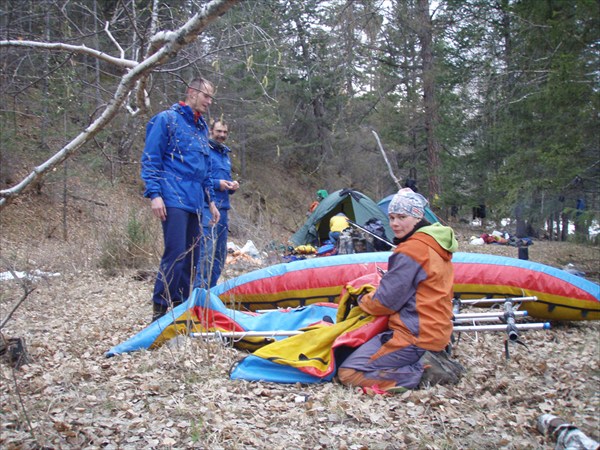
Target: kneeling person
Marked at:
416, 294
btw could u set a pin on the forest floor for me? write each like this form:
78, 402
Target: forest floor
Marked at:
70, 396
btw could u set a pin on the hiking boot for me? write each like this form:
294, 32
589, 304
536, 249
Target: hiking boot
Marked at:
439, 369
158, 310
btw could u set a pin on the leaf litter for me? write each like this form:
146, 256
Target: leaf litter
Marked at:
180, 396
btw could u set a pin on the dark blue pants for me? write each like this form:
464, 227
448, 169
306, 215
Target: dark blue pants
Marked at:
398, 368
182, 238
213, 253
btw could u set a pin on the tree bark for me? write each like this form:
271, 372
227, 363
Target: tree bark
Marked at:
429, 100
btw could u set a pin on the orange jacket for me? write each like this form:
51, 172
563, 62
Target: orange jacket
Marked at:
416, 294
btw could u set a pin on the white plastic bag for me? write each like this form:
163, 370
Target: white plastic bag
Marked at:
476, 241
250, 249
232, 247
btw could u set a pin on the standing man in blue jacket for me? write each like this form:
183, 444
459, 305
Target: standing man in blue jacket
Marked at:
214, 253
176, 170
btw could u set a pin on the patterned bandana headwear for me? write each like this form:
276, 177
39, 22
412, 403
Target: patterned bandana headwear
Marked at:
408, 203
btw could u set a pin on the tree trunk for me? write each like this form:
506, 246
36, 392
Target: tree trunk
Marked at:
582, 232
558, 233
521, 222
429, 100
565, 227
322, 131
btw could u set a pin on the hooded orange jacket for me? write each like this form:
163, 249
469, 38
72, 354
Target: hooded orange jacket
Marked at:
416, 294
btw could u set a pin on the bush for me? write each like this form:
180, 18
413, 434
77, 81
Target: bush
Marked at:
126, 247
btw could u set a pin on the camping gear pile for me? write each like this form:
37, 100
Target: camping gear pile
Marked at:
358, 239
500, 238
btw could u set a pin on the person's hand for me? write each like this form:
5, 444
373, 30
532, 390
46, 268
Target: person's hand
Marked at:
158, 208
216, 215
226, 185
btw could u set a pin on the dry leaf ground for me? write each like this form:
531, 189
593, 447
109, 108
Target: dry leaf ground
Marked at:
70, 396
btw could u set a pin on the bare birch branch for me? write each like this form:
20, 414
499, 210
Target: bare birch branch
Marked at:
387, 162
114, 41
141, 95
78, 49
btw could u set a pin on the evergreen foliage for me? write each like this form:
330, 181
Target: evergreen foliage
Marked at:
514, 117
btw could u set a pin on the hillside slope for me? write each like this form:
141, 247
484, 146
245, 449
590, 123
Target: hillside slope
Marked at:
102, 221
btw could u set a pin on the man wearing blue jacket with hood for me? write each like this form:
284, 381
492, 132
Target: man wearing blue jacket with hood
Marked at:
214, 252
176, 170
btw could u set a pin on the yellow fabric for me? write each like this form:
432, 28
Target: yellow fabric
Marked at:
305, 249
188, 323
349, 299
182, 325
338, 223
313, 349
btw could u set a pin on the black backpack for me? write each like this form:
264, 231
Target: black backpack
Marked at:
375, 226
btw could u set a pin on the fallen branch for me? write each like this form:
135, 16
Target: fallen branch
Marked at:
387, 162
27, 290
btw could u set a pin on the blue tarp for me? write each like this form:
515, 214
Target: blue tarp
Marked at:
254, 368
229, 320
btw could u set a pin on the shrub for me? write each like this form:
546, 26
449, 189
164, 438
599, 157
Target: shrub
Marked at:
126, 247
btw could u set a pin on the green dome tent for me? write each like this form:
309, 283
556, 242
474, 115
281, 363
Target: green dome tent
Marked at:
356, 206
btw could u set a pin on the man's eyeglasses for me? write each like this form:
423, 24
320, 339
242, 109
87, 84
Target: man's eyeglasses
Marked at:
212, 97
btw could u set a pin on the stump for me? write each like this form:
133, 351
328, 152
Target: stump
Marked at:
13, 352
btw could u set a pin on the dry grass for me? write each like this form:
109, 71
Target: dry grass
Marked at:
71, 396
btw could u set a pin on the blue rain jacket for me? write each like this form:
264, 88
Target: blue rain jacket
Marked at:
221, 170
176, 161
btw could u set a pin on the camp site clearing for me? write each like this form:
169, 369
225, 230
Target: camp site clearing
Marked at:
180, 396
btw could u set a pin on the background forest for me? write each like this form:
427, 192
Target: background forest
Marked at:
481, 103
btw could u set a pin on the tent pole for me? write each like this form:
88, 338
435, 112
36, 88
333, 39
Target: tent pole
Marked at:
371, 234
275, 333
455, 301
484, 300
